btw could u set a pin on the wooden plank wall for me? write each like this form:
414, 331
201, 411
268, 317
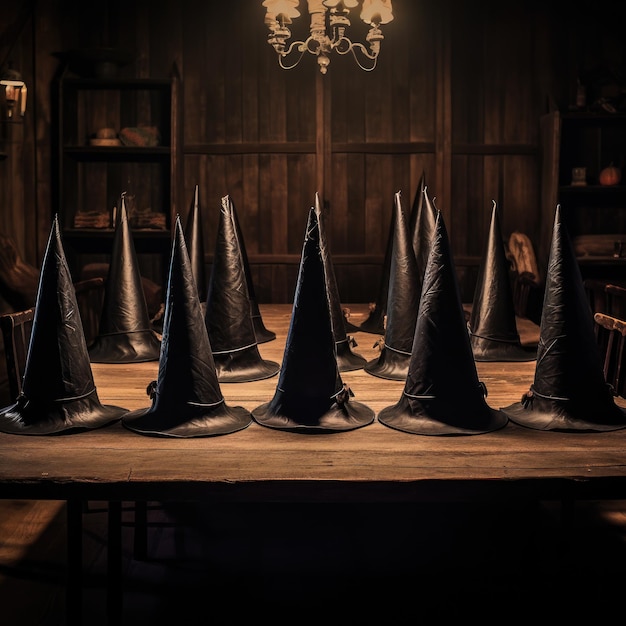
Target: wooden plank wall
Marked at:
457, 94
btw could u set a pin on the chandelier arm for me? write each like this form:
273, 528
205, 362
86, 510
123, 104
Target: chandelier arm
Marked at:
301, 45
363, 49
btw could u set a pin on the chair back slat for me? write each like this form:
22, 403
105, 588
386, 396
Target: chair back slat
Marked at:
611, 337
16, 330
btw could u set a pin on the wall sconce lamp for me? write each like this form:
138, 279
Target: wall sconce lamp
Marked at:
14, 92
329, 21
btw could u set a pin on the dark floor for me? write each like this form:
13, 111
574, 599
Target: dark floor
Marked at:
327, 564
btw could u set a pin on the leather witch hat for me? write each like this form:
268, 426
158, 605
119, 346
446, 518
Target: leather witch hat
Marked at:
492, 325
195, 244
263, 335
569, 392
422, 227
375, 321
346, 359
124, 334
402, 304
228, 319
442, 394
58, 390
186, 397
310, 396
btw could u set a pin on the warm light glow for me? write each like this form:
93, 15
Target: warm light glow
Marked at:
376, 11
329, 21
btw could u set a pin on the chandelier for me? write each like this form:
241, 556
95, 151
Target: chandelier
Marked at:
329, 21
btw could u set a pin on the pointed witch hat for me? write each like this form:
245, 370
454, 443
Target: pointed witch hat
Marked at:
186, 397
58, 391
348, 326
263, 335
402, 304
310, 396
124, 334
346, 359
569, 392
375, 321
228, 319
195, 244
442, 393
422, 227
492, 325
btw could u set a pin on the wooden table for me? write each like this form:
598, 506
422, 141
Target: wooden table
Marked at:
371, 464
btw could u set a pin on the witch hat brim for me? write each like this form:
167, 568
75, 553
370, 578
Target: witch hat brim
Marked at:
442, 394
402, 304
347, 360
187, 400
124, 334
228, 313
262, 334
310, 396
569, 391
58, 391
492, 324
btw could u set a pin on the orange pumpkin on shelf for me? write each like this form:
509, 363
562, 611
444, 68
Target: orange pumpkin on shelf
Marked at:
610, 175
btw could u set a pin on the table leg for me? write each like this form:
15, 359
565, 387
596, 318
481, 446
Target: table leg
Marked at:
73, 589
114, 563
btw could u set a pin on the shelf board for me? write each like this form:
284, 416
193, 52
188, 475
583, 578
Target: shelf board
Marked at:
89, 233
592, 188
117, 153
117, 83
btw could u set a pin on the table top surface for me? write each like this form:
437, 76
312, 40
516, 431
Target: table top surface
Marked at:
374, 462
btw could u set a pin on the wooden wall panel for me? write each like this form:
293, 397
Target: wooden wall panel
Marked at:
457, 95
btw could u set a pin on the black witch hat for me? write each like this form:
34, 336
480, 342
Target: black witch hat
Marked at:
310, 396
422, 227
228, 319
195, 244
263, 335
58, 390
402, 304
346, 359
375, 321
124, 334
569, 392
492, 325
442, 393
186, 397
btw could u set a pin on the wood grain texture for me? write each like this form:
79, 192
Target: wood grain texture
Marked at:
373, 462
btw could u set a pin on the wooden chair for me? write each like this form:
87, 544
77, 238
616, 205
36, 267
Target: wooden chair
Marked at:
616, 300
611, 336
16, 329
526, 281
90, 297
595, 288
